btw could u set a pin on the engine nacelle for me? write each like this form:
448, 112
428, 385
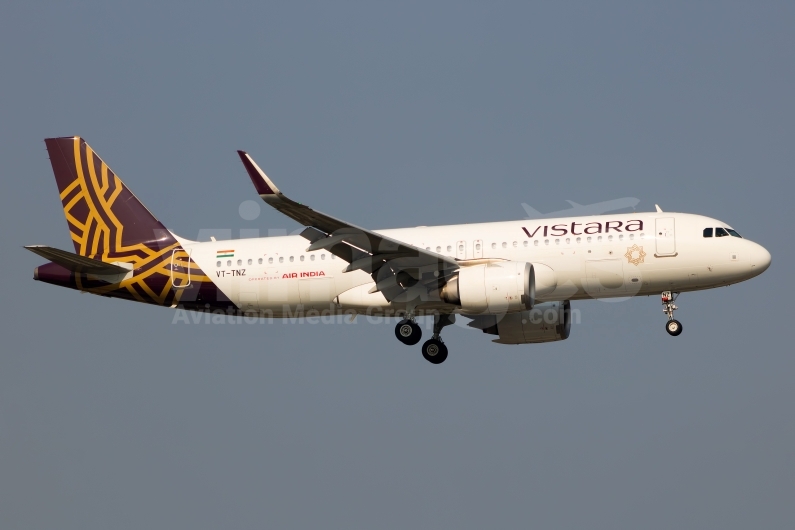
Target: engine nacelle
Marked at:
494, 288
546, 322
546, 281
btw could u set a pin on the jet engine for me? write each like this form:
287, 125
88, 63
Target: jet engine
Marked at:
546, 322
496, 288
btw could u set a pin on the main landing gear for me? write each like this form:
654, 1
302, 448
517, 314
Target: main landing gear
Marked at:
408, 332
673, 326
434, 351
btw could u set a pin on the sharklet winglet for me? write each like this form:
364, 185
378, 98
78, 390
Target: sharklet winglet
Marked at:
262, 183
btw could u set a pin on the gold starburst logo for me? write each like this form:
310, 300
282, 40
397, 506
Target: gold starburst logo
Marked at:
635, 254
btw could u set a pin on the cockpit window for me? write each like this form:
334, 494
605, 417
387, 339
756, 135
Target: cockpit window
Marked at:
734, 233
708, 232
720, 232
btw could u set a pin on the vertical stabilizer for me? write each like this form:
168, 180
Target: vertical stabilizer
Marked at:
106, 221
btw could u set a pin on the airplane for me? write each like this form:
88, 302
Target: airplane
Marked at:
583, 209
514, 280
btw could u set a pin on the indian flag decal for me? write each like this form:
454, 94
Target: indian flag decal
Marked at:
225, 254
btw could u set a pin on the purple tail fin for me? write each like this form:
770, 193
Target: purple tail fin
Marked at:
106, 221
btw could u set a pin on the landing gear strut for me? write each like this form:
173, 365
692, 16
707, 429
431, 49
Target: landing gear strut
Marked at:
673, 326
434, 350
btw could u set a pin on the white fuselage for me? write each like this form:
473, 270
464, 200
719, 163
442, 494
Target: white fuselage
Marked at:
588, 257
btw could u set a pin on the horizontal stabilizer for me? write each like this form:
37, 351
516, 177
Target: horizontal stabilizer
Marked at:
75, 262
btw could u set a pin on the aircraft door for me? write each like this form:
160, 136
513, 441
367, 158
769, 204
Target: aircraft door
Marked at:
180, 268
664, 235
461, 250
478, 248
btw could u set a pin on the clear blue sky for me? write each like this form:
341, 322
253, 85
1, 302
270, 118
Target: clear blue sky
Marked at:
385, 114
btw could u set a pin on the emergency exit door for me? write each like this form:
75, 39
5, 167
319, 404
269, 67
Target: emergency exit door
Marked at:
478, 249
461, 250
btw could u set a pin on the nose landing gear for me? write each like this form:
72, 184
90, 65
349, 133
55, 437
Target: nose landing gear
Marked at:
673, 326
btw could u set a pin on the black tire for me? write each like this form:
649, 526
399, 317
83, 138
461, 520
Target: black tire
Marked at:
673, 327
434, 351
408, 332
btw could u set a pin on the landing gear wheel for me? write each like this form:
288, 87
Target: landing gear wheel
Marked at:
408, 332
673, 327
434, 351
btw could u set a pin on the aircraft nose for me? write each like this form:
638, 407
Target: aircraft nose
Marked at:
760, 259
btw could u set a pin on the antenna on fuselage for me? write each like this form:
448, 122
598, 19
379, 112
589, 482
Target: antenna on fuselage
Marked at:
659, 210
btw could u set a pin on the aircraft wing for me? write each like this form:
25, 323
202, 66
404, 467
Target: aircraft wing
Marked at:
394, 265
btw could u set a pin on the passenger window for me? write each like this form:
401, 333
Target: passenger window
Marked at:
281, 259
302, 257
217, 263
579, 239
240, 262
477, 247
546, 241
515, 244
450, 248
526, 243
460, 248
610, 237
708, 232
568, 240
720, 232
557, 241
311, 257
291, 259
494, 245
229, 263
599, 239
270, 260
632, 236
250, 262
621, 237
734, 233
438, 249
333, 256
504, 244
588, 239
322, 256
259, 261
